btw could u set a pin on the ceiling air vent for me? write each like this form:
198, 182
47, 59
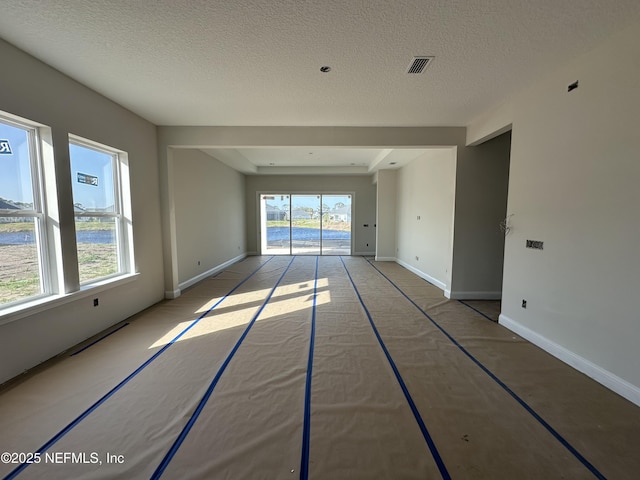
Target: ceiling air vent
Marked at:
419, 64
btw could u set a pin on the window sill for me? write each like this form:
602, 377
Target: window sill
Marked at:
42, 304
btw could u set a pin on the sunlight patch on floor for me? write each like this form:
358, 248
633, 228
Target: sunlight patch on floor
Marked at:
238, 298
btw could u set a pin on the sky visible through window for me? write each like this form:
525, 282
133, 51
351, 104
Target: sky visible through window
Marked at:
15, 167
15, 173
93, 167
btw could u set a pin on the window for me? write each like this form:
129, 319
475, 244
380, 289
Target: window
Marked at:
23, 265
37, 260
102, 229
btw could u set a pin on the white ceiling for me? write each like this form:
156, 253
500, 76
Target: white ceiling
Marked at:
257, 62
316, 161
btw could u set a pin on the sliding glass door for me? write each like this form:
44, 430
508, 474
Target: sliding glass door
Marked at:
336, 224
275, 224
305, 224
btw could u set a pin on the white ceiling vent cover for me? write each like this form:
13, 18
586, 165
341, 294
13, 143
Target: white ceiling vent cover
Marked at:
419, 64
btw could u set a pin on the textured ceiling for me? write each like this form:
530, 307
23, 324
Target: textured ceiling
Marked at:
256, 62
317, 161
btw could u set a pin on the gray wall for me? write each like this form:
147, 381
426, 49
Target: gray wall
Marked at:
482, 177
386, 188
426, 189
210, 211
364, 202
574, 185
460, 195
32, 90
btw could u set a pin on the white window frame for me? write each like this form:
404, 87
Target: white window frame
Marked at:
38, 212
121, 213
59, 287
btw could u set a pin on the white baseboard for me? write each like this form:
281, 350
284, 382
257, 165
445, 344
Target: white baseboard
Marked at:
590, 369
210, 272
385, 259
473, 295
171, 294
427, 277
252, 254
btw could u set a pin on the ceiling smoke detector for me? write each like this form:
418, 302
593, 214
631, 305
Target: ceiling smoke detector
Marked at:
419, 64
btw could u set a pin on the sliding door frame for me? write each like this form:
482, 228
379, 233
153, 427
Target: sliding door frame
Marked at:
290, 193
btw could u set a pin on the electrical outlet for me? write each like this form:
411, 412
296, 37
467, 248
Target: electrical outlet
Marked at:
95, 302
524, 303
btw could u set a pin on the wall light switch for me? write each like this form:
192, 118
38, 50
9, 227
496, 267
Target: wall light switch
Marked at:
537, 244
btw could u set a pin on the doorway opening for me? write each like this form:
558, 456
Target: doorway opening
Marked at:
305, 224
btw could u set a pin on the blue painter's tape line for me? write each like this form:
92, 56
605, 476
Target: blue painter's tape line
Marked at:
15, 472
205, 398
304, 463
524, 404
478, 311
99, 340
423, 428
